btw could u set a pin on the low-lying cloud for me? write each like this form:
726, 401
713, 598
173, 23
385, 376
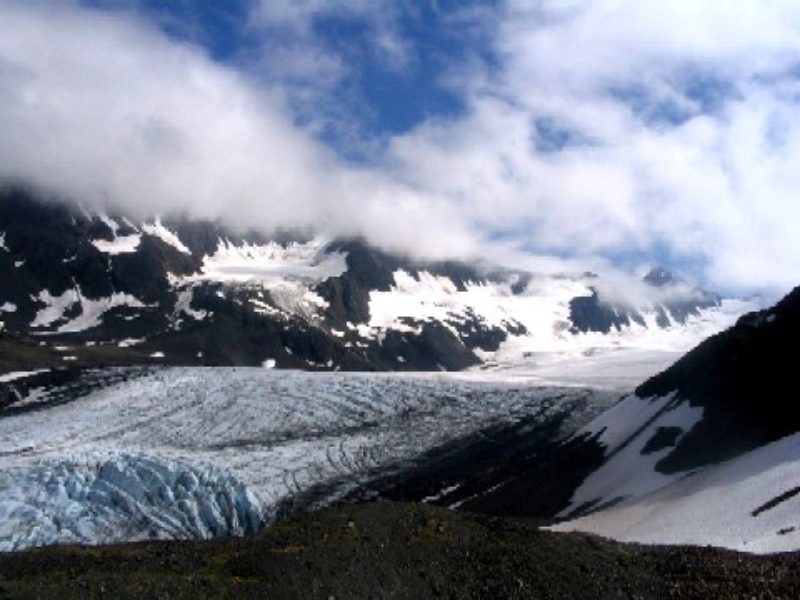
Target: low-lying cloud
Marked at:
604, 129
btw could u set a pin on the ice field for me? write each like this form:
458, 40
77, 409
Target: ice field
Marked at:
200, 452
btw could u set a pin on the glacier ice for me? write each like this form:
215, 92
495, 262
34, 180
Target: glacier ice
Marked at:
120, 497
200, 452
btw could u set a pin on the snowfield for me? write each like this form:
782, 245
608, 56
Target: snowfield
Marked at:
271, 263
194, 453
542, 308
750, 503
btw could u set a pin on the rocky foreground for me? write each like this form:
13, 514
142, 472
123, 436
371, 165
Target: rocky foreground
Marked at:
390, 550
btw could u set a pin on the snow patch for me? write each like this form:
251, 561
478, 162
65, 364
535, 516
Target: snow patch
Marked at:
54, 307
8, 307
297, 299
183, 305
92, 311
14, 375
110, 223
125, 244
262, 308
441, 494
157, 229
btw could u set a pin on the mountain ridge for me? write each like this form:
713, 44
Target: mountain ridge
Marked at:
193, 292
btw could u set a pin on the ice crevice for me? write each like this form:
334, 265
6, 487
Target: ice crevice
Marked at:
121, 497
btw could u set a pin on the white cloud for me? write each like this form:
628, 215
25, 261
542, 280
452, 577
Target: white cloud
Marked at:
676, 125
105, 107
654, 168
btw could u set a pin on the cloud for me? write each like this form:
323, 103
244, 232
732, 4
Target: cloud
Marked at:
105, 107
316, 73
670, 126
599, 130
108, 110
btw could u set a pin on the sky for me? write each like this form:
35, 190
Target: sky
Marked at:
548, 134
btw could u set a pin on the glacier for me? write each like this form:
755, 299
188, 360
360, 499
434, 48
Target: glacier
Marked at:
192, 453
102, 499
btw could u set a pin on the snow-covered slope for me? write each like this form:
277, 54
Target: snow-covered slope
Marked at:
749, 503
707, 452
537, 315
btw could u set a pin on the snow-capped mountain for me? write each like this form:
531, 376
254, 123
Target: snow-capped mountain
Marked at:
716, 429
708, 451
92, 289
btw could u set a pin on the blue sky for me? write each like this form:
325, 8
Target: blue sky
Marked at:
384, 95
555, 135
220, 27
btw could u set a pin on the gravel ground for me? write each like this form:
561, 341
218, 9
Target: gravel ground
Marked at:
398, 550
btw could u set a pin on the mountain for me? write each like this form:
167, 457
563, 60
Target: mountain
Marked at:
706, 452
89, 289
709, 450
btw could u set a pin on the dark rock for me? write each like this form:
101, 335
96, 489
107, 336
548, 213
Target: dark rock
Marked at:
743, 378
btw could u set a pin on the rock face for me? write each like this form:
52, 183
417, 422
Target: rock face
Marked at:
93, 289
743, 380
590, 313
